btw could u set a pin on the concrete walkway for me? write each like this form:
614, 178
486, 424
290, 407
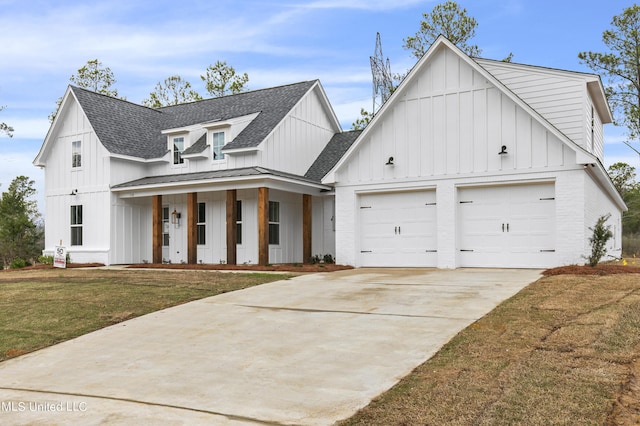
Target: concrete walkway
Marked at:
307, 351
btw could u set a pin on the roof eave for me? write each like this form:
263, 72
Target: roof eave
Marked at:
228, 182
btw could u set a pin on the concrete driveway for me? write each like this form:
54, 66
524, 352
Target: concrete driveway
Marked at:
307, 351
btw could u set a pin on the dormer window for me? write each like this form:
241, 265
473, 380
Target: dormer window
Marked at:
178, 148
76, 154
217, 143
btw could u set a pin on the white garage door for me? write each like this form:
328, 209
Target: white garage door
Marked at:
507, 226
398, 229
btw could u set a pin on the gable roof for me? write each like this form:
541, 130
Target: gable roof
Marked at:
331, 154
129, 129
583, 156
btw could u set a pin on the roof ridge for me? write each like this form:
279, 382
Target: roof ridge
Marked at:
92, 92
542, 67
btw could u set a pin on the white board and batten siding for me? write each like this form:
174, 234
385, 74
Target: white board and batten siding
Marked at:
451, 121
89, 183
561, 97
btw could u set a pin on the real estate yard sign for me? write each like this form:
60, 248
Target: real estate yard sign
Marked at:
60, 257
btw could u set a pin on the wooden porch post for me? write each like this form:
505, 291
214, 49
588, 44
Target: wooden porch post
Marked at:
306, 227
232, 236
192, 228
263, 226
157, 228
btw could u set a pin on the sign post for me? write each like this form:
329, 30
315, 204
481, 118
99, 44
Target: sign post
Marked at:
60, 256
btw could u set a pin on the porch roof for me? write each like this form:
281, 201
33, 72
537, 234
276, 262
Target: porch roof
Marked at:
217, 177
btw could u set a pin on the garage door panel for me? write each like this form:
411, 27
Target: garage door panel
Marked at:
398, 229
509, 226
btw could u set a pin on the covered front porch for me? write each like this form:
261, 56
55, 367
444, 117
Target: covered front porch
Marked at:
252, 216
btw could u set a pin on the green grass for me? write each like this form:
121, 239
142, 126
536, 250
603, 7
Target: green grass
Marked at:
43, 307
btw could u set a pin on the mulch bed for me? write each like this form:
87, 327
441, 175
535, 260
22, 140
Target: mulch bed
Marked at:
283, 267
601, 269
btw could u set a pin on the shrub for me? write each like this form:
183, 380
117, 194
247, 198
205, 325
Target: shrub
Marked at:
47, 260
18, 263
328, 259
601, 235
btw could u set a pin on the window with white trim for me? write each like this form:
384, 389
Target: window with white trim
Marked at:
217, 143
201, 224
274, 222
178, 148
76, 225
76, 154
165, 226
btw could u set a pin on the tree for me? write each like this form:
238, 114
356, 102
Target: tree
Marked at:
449, 20
623, 177
92, 76
5, 128
221, 79
621, 66
19, 233
362, 121
173, 91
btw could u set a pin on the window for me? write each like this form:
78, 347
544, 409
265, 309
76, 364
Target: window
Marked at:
238, 222
218, 143
165, 226
76, 225
178, 147
76, 154
274, 222
202, 239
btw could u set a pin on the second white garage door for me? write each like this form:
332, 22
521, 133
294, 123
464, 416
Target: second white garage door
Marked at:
507, 226
398, 229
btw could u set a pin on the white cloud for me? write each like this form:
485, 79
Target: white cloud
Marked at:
28, 128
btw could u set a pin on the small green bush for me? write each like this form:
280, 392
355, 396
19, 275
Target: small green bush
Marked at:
18, 263
601, 235
46, 260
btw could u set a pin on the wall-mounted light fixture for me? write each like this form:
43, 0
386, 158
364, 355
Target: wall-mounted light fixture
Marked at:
74, 192
503, 150
175, 217
389, 162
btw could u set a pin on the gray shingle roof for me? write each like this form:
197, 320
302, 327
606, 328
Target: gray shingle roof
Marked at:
331, 154
129, 129
198, 147
210, 176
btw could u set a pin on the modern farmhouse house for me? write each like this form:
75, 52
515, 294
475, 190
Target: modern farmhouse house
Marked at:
470, 163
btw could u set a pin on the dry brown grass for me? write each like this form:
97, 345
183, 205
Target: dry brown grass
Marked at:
565, 350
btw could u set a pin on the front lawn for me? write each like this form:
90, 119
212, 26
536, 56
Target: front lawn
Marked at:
39, 308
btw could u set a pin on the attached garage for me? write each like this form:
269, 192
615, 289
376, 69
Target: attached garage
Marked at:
506, 226
398, 228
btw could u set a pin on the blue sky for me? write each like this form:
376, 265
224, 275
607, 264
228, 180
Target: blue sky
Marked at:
44, 42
